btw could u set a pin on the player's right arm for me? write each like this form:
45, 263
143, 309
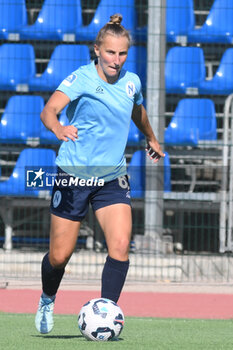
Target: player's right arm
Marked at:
53, 107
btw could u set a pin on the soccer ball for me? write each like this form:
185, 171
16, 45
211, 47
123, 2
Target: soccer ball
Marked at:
101, 320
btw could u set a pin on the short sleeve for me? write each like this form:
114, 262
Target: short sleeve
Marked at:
71, 86
138, 97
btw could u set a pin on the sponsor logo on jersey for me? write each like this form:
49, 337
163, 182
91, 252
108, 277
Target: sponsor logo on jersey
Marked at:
99, 90
69, 80
130, 89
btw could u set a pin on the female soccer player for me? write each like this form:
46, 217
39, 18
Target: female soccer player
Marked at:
102, 98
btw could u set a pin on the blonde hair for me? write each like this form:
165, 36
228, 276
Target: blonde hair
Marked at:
113, 27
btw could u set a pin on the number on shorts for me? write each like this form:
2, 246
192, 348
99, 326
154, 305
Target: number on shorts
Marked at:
123, 182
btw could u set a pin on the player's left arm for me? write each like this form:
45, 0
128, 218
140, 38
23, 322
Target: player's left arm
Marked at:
141, 120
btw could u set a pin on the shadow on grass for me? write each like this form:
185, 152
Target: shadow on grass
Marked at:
57, 336
67, 337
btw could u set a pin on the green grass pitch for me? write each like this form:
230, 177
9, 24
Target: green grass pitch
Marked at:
17, 332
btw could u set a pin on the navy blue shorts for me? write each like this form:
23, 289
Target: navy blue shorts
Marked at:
71, 200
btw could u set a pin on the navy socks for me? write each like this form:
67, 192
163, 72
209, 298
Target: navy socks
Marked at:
51, 277
113, 278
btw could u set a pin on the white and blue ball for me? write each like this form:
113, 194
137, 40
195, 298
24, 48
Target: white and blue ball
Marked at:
101, 320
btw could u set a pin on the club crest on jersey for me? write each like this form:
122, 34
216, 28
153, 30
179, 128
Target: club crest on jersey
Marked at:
130, 89
69, 80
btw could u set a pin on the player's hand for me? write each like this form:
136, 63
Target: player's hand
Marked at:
64, 133
154, 151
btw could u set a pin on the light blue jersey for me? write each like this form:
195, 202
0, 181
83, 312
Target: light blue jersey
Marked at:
101, 112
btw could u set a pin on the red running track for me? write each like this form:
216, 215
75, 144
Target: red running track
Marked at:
142, 304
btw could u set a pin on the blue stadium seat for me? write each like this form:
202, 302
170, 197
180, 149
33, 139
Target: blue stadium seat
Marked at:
47, 136
135, 135
167, 173
56, 21
64, 60
194, 120
184, 70
137, 174
13, 16
180, 20
140, 35
105, 9
218, 27
137, 62
17, 66
222, 82
20, 122
29, 160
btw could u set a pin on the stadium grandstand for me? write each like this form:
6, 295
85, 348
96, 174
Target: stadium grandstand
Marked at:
183, 206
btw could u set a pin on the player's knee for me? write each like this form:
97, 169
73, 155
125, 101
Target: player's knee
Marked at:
121, 248
58, 261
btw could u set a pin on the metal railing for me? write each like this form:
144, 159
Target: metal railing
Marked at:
226, 205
